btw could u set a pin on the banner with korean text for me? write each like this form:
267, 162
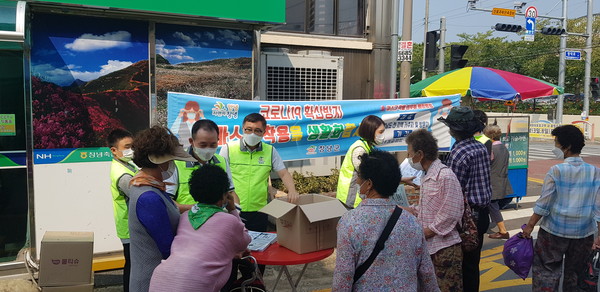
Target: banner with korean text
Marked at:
311, 129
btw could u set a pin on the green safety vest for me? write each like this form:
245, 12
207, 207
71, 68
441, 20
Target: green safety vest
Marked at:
250, 173
184, 170
117, 170
348, 176
482, 139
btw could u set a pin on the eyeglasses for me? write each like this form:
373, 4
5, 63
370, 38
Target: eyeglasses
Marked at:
257, 131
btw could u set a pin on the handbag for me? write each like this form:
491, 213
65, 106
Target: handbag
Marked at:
379, 245
468, 230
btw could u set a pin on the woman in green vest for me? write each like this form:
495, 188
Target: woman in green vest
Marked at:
371, 133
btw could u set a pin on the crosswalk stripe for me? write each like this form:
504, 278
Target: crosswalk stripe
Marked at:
516, 214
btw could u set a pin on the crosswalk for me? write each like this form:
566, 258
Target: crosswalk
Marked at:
544, 152
515, 218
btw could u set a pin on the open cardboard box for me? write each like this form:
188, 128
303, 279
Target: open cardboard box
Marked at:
309, 225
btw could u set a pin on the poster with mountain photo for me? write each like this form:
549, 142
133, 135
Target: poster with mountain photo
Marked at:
201, 60
89, 76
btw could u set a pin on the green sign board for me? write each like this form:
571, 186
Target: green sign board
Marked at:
7, 125
518, 148
271, 11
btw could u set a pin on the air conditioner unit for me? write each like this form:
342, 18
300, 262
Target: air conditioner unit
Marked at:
308, 75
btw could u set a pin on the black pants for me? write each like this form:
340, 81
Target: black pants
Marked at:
471, 259
127, 267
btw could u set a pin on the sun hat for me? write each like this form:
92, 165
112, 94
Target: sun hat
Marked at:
461, 119
178, 154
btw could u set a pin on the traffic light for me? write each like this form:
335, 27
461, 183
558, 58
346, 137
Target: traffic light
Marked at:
456, 54
552, 31
508, 27
431, 50
595, 87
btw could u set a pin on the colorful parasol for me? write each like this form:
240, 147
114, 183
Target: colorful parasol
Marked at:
484, 83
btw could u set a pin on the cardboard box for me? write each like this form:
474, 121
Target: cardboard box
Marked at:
310, 225
66, 259
74, 288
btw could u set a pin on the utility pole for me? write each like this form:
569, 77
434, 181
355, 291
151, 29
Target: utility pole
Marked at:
394, 49
562, 65
588, 58
406, 36
442, 59
423, 72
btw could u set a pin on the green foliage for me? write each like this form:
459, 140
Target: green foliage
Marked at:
569, 107
311, 183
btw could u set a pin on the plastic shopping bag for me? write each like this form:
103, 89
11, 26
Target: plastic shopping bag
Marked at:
518, 254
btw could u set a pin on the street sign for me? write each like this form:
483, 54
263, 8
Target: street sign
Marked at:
530, 23
573, 55
405, 49
504, 12
531, 11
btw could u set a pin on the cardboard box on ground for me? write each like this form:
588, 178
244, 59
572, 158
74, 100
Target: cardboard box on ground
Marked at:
66, 261
309, 225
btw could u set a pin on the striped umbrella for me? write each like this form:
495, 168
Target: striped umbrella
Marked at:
484, 83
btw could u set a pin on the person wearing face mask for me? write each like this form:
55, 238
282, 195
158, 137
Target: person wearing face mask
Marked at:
251, 162
440, 209
121, 172
153, 215
203, 146
371, 131
404, 261
208, 237
470, 161
568, 210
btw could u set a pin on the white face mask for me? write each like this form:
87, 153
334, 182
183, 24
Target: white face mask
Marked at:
169, 172
361, 195
252, 139
191, 116
205, 154
378, 139
558, 153
416, 166
127, 155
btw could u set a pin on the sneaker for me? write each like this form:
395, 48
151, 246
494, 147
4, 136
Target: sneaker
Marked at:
499, 235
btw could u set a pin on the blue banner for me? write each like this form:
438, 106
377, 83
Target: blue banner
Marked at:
311, 129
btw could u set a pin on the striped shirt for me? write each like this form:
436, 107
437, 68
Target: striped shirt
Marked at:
441, 206
570, 199
470, 161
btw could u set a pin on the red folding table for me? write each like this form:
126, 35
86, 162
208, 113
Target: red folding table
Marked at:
276, 255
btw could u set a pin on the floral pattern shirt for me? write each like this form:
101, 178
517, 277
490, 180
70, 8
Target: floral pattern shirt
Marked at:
404, 263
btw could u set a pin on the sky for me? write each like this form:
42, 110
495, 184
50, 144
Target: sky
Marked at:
459, 20
181, 44
66, 48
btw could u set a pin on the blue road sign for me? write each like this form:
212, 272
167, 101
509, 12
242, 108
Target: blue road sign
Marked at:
530, 25
573, 55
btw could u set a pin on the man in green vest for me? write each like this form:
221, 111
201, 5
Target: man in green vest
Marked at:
204, 142
121, 172
481, 116
251, 163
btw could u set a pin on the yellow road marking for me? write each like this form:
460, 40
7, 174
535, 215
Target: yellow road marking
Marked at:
495, 270
535, 180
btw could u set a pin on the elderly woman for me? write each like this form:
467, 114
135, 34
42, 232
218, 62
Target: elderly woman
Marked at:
153, 216
499, 177
207, 240
569, 210
404, 261
440, 209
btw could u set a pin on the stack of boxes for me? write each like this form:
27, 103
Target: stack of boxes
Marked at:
66, 262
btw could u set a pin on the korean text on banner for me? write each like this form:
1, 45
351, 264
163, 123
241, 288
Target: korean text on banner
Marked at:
302, 130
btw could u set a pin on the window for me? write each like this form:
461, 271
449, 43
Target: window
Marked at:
327, 17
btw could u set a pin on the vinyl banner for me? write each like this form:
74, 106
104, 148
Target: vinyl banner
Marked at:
311, 129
